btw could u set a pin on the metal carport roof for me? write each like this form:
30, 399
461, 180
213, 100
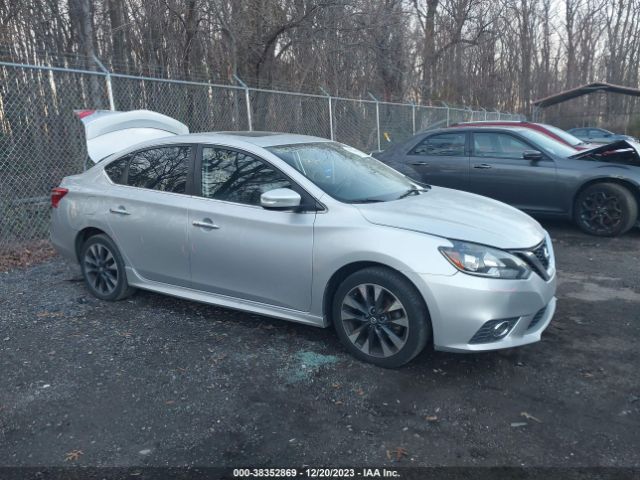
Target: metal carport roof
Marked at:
584, 90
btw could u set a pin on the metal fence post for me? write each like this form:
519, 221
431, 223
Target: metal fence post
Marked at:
485, 113
413, 117
330, 112
107, 78
448, 113
377, 119
247, 100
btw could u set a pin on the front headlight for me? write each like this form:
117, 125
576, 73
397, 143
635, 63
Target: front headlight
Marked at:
485, 261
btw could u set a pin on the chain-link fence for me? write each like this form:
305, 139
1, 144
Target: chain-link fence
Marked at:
41, 141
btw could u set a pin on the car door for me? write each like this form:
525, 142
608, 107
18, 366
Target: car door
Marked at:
147, 211
441, 159
498, 170
240, 249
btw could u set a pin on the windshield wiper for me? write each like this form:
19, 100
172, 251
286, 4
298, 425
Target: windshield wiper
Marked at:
413, 191
367, 200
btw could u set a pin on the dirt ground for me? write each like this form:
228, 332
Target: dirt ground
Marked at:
159, 381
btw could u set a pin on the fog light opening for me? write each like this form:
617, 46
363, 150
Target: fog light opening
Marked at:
501, 329
494, 330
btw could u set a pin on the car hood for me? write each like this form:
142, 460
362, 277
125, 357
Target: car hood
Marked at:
459, 216
627, 145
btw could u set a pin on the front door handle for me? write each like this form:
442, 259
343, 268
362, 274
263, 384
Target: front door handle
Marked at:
424, 164
482, 166
206, 223
119, 211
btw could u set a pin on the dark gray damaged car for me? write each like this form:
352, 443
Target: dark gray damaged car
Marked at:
599, 189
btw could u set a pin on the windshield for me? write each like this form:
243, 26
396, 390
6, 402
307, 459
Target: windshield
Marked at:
548, 143
345, 173
566, 136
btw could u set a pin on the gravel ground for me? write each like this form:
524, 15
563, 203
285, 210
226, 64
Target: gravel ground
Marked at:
159, 381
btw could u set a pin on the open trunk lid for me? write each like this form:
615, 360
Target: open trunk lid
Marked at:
109, 132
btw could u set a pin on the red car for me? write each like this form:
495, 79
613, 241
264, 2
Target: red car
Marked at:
549, 130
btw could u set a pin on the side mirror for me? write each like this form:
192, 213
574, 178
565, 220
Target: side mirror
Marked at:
533, 155
280, 199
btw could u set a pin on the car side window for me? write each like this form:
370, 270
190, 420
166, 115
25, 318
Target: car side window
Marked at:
237, 177
498, 145
163, 168
115, 170
443, 145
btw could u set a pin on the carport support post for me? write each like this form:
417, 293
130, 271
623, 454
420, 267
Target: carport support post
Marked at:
377, 119
330, 112
107, 78
247, 99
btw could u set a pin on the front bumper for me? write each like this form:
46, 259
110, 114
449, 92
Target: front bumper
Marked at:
460, 304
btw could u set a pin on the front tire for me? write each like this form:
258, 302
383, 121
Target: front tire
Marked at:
606, 210
380, 317
103, 269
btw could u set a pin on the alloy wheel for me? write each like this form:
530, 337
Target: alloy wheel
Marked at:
601, 212
101, 269
374, 320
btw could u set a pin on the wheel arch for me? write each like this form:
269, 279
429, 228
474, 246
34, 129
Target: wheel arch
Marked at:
633, 187
84, 235
343, 272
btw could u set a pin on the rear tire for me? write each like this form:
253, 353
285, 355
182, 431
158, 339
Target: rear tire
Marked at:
103, 269
380, 317
605, 209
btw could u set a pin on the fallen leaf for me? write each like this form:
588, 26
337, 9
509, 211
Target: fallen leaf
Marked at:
519, 424
431, 418
397, 453
530, 417
46, 314
73, 455
169, 402
359, 391
336, 385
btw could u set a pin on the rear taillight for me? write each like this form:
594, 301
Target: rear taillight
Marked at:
56, 195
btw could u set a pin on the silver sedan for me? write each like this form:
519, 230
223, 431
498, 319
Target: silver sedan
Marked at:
304, 229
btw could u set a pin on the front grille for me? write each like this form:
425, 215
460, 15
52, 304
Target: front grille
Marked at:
537, 259
540, 255
536, 318
486, 333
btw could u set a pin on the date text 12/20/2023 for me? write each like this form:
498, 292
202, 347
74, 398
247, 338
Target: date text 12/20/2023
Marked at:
315, 473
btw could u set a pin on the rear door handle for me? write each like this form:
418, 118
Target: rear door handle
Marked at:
424, 164
206, 223
482, 166
119, 211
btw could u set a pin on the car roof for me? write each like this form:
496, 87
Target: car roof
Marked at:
260, 139
480, 127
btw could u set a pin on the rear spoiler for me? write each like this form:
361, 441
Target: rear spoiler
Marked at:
108, 132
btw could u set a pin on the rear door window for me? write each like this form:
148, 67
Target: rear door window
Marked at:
441, 145
165, 169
